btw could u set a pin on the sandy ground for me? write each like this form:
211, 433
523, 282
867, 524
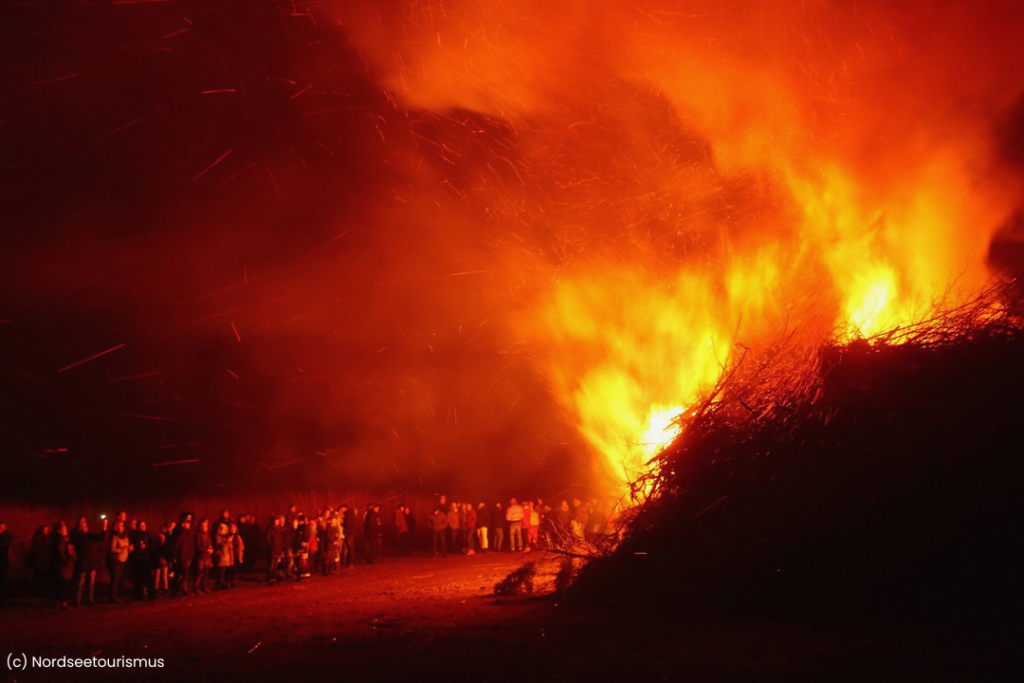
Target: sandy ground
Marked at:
429, 619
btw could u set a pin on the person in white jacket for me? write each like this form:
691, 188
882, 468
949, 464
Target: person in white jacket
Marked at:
514, 515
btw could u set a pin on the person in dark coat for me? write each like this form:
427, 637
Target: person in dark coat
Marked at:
470, 530
348, 529
306, 548
498, 522
89, 553
288, 538
371, 528
562, 516
184, 552
120, 517
275, 548
163, 559
204, 555
174, 530
251, 537
410, 521
38, 561
300, 547
483, 524
119, 547
238, 551
454, 528
438, 523
320, 561
256, 531
6, 541
141, 560
62, 564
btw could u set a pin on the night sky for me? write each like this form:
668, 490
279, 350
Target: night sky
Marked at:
206, 190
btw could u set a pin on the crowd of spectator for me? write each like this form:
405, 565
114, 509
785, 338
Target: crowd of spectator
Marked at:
189, 555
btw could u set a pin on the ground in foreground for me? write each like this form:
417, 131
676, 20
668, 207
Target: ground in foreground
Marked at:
436, 619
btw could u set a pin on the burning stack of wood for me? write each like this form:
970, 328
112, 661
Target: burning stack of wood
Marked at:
884, 475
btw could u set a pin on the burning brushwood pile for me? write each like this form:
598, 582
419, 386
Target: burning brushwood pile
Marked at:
885, 473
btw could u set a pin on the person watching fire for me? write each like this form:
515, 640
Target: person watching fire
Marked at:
483, 523
514, 515
438, 523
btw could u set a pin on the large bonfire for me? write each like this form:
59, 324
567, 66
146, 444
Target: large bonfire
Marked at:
741, 197
717, 179
882, 478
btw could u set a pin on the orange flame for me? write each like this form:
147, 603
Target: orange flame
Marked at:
820, 167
